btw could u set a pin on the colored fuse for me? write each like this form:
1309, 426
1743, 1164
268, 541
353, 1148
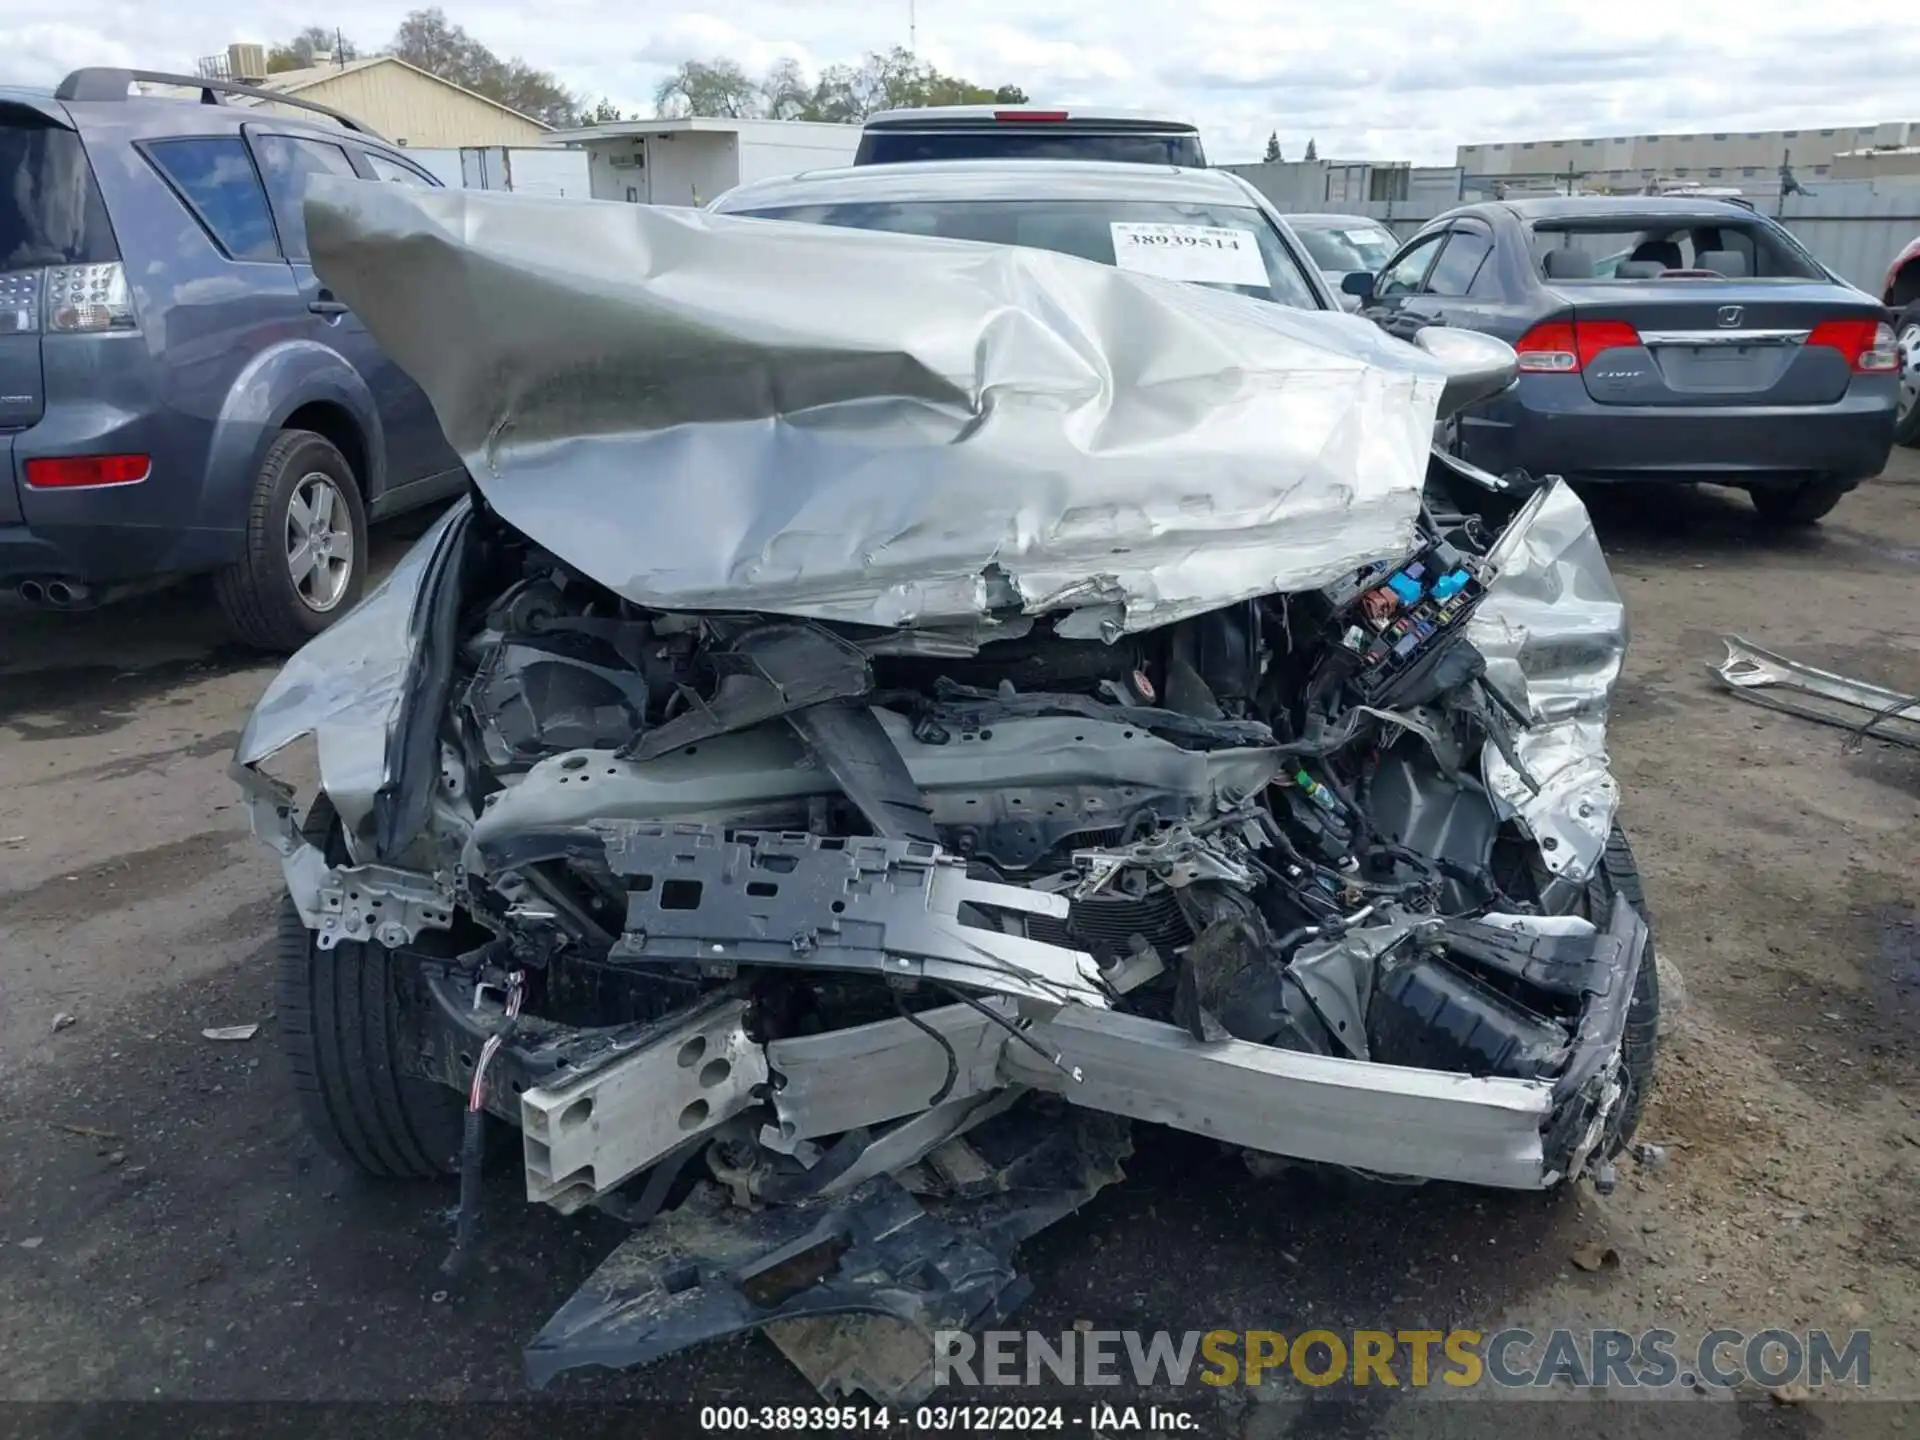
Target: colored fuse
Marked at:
1316, 792
1450, 585
1406, 587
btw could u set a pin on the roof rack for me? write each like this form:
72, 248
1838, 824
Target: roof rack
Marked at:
101, 82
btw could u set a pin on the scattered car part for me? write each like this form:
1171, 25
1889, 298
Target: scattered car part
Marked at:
1853, 705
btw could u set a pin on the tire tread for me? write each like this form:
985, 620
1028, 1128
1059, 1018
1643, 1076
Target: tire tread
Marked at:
339, 1029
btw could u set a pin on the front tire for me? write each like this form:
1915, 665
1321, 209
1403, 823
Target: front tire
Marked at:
305, 562
1906, 429
1798, 505
1619, 874
340, 1022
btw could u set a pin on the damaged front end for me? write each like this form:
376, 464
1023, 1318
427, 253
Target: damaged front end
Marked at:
836, 947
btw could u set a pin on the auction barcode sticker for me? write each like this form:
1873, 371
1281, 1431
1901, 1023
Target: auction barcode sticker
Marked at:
1205, 254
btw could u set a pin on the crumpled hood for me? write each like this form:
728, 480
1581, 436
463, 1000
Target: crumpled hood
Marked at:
708, 412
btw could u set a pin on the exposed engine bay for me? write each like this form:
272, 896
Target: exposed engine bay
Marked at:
831, 918
834, 935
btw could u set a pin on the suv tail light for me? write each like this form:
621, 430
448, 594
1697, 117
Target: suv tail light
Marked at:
82, 299
1565, 347
1867, 344
81, 472
20, 302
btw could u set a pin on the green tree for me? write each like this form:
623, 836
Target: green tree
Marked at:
896, 80
604, 113
428, 39
298, 53
1313, 151
890, 80
1273, 147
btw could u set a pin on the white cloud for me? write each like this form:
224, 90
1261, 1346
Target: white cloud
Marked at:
702, 37
1395, 79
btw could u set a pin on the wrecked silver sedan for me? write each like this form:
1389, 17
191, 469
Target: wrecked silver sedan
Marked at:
893, 712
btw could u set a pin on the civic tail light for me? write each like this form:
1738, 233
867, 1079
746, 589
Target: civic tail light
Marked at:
1867, 344
81, 299
1018, 115
1565, 347
82, 472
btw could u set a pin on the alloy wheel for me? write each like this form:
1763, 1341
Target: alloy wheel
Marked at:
1908, 346
319, 542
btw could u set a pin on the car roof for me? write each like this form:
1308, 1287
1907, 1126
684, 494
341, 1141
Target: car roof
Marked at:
1601, 207
991, 180
950, 115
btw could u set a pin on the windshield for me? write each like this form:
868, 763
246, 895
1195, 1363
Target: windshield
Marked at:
1629, 248
1345, 248
1015, 142
1226, 247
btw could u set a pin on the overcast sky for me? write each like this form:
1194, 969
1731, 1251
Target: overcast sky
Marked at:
1389, 79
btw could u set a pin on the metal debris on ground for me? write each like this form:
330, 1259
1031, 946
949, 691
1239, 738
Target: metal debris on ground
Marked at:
232, 1032
89, 1132
1819, 695
64, 1021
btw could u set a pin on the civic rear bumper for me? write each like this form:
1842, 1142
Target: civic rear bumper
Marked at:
1548, 425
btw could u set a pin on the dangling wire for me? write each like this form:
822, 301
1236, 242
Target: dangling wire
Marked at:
473, 1129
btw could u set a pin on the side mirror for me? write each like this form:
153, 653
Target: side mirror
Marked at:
1478, 366
1359, 284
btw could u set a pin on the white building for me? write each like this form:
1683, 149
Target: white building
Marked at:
1720, 157
690, 160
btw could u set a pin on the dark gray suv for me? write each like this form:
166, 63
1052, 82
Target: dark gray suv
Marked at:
179, 393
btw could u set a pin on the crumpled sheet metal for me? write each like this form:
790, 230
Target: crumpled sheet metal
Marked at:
708, 412
1553, 630
344, 686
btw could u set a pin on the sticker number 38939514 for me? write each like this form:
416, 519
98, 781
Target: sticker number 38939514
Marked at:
1207, 254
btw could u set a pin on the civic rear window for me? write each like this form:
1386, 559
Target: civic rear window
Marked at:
218, 180
898, 147
1639, 249
51, 212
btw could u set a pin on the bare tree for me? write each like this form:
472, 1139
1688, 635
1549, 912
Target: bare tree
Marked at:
709, 87
428, 39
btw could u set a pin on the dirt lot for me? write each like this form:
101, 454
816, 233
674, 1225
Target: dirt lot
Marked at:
167, 1230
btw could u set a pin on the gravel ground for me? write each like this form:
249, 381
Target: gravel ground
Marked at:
167, 1230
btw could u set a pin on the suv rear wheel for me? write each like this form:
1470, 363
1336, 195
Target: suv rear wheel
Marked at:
306, 548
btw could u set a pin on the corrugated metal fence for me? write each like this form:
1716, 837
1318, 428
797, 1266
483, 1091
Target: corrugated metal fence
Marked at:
1853, 227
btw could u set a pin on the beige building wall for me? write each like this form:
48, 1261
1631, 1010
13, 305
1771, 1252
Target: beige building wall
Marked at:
415, 109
